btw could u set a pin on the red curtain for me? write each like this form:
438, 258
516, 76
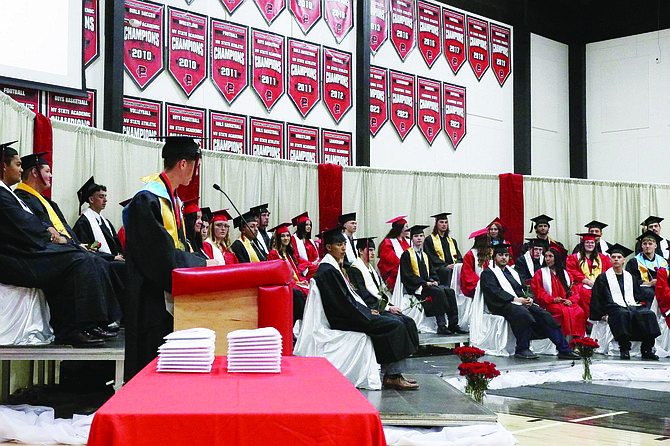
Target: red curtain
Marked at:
330, 195
43, 141
511, 208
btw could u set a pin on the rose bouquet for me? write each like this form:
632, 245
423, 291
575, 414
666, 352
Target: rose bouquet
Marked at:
585, 347
469, 354
478, 375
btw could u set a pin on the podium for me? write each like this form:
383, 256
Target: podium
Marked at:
233, 297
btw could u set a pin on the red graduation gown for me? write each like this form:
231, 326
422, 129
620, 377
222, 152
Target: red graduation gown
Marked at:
575, 271
311, 263
469, 278
571, 318
228, 256
663, 294
389, 262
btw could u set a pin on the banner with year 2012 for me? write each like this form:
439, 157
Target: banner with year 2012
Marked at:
267, 66
453, 110
336, 82
229, 58
142, 118
336, 147
303, 143
187, 45
143, 44
228, 132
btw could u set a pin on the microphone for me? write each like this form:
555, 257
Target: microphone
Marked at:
217, 187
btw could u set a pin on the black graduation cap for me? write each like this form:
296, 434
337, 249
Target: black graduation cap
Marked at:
6, 149
365, 242
650, 234
501, 248
538, 242
247, 217
180, 146
596, 224
206, 213
651, 220
342, 219
260, 209
334, 235
33, 160
85, 191
441, 216
620, 249
541, 219
124, 203
417, 229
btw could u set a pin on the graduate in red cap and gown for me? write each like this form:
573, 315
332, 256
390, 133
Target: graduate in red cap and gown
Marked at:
475, 261
217, 244
305, 249
391, 248
584, 267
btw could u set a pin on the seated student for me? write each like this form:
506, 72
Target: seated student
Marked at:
390, 250
243, 248
415, 274
541, 226
552, 288
596, 228
645, 265
122, 231
262, 216
348, 222
281, 249
531, 262
616, 299
217, 244
193, 225
504, 296
584, 267
305, 249
206, 219
475, 261
442, 250
653, 224
497, 235
345, 310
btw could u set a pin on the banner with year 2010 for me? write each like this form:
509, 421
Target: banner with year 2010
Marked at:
187, 48
143, 44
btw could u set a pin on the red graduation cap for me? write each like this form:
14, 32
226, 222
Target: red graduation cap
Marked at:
561, 250
586, 236
300, 219
398, 220
480, 232
281, 228
499, 222
221, 215
191, 206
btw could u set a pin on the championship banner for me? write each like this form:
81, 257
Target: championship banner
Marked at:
338, 17
142, 118
267, 66
454, 112
228, 132
26, 96
402, 102
267, 138
228, 58
430, 43
303, 143
270, 9
378, 24
336, 147
143, 45
429, 111
72, 109
91, 33
336, 82
185, 121
231, 5
306, 13
454, 38
402, 26
378, 92
478, 46
187, 61
303, 74
501, 62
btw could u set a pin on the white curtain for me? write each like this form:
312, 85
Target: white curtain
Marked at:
16, 123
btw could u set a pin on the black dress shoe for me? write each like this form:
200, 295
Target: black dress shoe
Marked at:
624, 354
525, 354
569, 355
649, 355
456, 329
81, 339
99, 333
443, 330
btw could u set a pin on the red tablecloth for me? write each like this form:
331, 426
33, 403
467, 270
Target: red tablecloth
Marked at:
309, 403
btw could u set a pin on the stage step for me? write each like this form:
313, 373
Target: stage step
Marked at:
426, 339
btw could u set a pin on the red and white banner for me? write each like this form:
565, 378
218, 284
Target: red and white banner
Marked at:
185, 121
430, 43
91, 31
453, 111
303, 143
142, 118
303, 74
454, 38
228, 132
187, 58
378, 97
378, 24
402, 102
267, 138
501, 47
403, 32
429, 114
231, 5
26, 96
478, 45
270, 9
336, 147
72, 109
336, 82
228, 58
306, 13
143, 45
267, 67
338, 15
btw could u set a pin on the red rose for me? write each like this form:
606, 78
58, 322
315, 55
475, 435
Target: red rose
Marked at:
429, 299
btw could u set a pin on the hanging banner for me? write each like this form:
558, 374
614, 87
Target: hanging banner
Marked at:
267, 66
402, 26
430, 43
228, 132
72, 109
378, 92
454, 112
91, 33
143, 44
185, 121
478, 46
454, 38
32, 99
267, 138
378, 24
270, 9
305, 12
187, 61
228, 58
142, 118
338, 17
303, 74
336, 82
429, 114
336, 147
303, 143
231, 5
402, 102
501, 46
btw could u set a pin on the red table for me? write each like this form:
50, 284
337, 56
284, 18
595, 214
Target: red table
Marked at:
309, 403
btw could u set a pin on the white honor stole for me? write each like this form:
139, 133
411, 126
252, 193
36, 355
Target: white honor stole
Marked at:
367, 277
546, 279
628, 298
479, 269
216, 252
530, 264
504, 283
603, 247
351, 256
331, 261
397, 247
92, 218
261, 244
664, 248
300, 244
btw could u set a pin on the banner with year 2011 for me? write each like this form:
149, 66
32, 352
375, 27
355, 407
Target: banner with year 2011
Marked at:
453, 110
143, 43
267, 66
187, 45
142, 118
304, 74
229, 58
227, 132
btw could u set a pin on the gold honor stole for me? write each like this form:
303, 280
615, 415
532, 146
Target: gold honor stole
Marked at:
250, 250
157, 187
644, 271
415, 262
60, 227
590, 272
438, 247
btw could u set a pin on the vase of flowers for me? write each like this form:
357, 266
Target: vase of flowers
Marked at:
585, 347
478, 376
469, 354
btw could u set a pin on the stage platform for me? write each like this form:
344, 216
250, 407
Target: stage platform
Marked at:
450, 341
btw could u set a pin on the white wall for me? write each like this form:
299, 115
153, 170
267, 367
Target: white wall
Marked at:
627, 105
550, 131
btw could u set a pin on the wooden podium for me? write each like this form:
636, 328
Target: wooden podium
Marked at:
232, 297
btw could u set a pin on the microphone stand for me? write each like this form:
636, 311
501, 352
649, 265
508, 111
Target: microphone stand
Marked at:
244, 222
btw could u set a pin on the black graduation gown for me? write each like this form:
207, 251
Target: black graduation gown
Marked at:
442, 299
521, 268
437, 264
526, 246
646, 293
150, 258
240, 251
390, 336
40, 211
82, 228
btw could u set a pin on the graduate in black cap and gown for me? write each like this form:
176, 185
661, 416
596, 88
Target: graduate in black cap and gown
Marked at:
596, 227
263, 237
245, 247
349, 223
645, 265
91, 225
541, 226
530, 262
653, 224
442, 250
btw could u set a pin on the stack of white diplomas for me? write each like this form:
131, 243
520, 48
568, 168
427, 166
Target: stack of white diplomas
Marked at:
254, 351
187, 351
